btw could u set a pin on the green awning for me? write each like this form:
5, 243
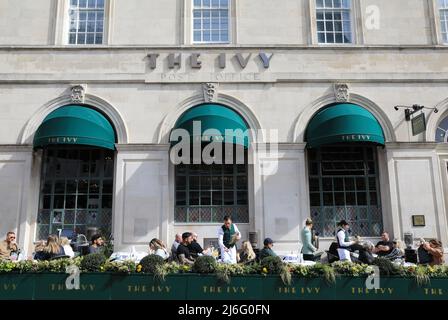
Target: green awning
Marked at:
218, 117
74, 124
343, 123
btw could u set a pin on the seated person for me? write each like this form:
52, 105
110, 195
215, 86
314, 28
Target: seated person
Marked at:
366, 255
65, 243
385, 246
183, 253
97, 244
246, 254
157, 247
8, 247
267, 250
195, 248
51, 249
397, 251
435, 249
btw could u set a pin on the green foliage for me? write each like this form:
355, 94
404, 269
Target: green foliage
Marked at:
108, 247
325, 271
204, 264
6, 266
285, 275
272, 265
150, 263
346, 268
93, 262
421, 276
127, 266
225, 271
387, 268
275, 265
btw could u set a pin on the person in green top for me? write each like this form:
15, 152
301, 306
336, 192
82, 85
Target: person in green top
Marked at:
267, 250
308, 249
228, 235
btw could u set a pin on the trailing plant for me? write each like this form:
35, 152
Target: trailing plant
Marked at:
325, 271
285, 275
225, 271
421, 276
272, 265
275, 265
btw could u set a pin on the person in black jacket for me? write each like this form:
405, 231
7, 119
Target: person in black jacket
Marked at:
195, 248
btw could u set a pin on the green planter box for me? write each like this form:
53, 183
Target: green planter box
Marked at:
437, 289
208, 287
351, 288
300, 289
145, 287
16, 286
394, 288
93, 286
105, 286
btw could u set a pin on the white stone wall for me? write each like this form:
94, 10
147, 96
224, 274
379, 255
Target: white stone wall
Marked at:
254, 22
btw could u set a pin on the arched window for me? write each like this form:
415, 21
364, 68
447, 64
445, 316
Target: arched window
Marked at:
205, 193
342, 143
442, 131
77, 171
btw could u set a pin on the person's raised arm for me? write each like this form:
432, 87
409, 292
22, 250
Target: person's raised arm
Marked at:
434, 251
238, 237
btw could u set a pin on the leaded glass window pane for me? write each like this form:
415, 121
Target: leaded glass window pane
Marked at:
76, 190
86, 22
211, 21
345, 185
333, 19
206, 193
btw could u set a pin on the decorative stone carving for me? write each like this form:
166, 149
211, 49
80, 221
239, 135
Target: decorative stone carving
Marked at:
78, 93
210, 91
341, 92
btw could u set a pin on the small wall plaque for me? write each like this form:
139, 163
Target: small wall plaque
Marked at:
418, 221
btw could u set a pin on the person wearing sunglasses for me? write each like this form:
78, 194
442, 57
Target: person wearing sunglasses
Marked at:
8, 247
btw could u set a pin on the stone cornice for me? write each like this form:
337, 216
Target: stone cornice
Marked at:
411, 145
142, 147
280, 47
16, 148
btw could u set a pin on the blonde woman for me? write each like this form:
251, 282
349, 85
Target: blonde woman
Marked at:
157, 247
52, 249
246, 254
65, 243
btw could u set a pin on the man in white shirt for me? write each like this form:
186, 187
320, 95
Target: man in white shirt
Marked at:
344, 243
228, 235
